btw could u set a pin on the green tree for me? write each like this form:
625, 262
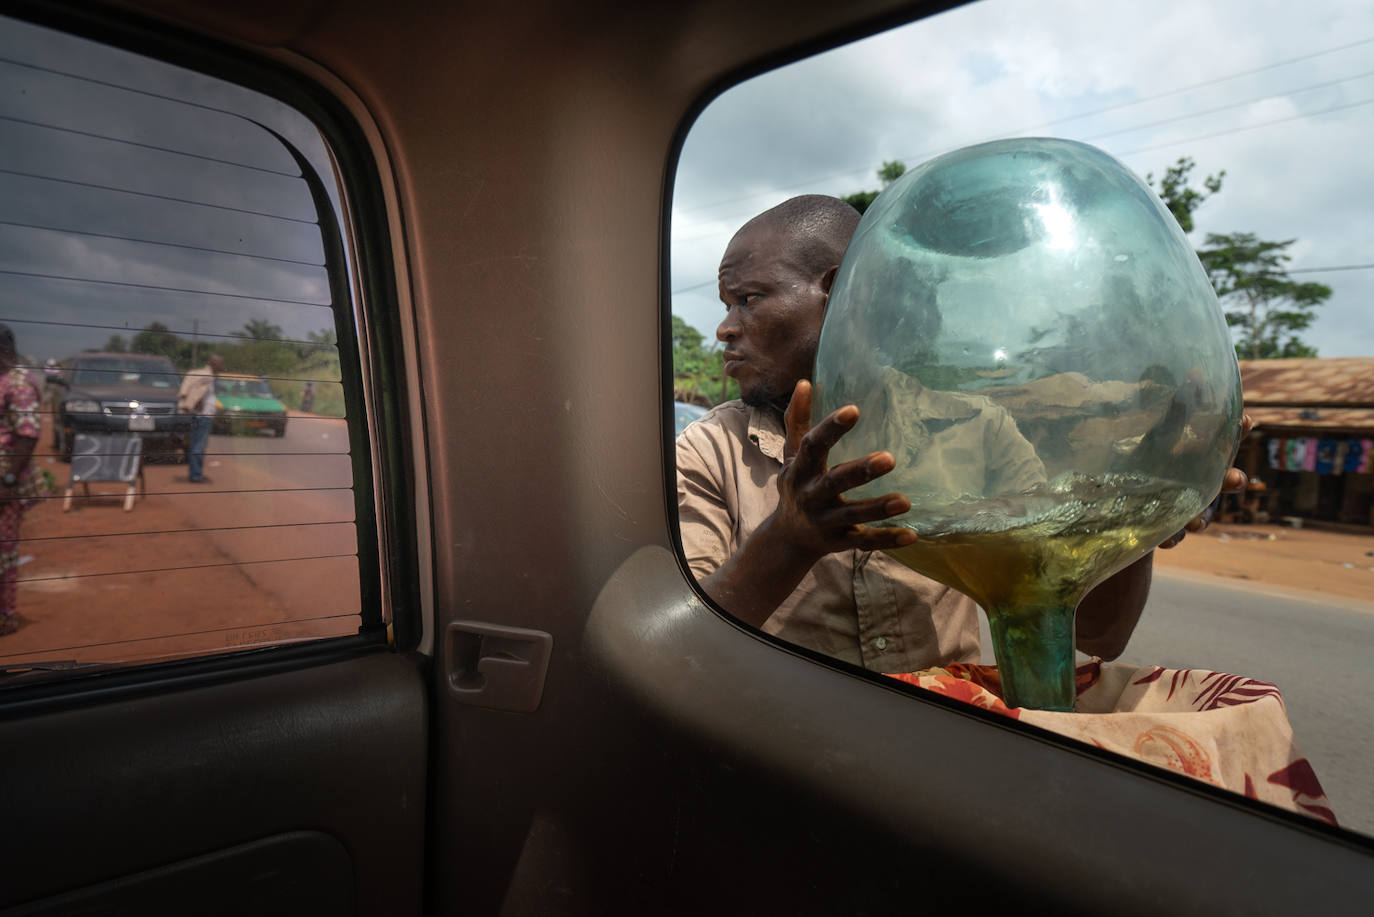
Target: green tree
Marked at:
260, 330
1250, 273
698, 370
1181, 197
158, 339
891, 171
116, 344
325, 337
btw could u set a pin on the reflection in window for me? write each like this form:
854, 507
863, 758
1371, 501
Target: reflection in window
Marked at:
152, 218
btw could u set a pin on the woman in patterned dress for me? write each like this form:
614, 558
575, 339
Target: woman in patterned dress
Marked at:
19, 428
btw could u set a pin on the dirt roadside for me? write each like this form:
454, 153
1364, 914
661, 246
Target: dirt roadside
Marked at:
193, 568
1270, 557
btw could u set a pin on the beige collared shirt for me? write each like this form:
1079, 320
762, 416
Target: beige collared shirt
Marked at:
859, 606
947, 446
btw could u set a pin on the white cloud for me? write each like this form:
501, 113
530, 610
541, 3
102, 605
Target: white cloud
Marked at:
995, 68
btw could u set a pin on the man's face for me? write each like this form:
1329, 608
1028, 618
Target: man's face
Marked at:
217, 364
773, 316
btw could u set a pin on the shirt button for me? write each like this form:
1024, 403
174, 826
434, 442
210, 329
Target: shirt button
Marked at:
881, 643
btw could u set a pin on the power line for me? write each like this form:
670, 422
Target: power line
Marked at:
1202, 85
159, 197
1248, 127
62, 577
150, 452
195, 248
251, 625
150, 286
35, 370
191, 531
235, 337
922, 156
1297, 270
146, 146
1231, 105
1187, 140
190, 103
695, 286
1339, 267
200, 493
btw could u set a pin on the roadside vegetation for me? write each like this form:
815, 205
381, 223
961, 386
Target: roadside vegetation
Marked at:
257, 350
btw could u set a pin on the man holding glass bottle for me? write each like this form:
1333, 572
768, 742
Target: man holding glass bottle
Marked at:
764, 523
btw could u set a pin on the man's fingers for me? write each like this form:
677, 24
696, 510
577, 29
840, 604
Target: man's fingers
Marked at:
1247, 423
851, 474
814, 448
848, 515
1235, 480
797, 420
881, 537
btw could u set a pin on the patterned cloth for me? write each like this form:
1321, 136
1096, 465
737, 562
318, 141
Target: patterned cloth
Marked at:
1227, 730
19, 400
18, 409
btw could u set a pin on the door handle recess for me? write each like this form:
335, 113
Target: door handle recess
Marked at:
489, 665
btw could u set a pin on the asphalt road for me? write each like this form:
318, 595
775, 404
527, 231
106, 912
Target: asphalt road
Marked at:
1315, 649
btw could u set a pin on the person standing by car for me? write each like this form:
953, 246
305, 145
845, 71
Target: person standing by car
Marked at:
52, 383
19, 429
197, 398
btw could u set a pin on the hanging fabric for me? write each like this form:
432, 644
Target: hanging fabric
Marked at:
1309, 455
1326, 456
1354, 455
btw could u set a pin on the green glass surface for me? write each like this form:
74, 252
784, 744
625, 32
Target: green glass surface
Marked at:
1025, 327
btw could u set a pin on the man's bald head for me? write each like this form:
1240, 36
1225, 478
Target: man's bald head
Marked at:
815, 229
775, 282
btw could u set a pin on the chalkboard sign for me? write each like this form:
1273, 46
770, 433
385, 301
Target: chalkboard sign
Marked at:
106, 457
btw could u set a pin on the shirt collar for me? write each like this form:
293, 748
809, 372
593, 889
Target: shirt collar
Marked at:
766, 431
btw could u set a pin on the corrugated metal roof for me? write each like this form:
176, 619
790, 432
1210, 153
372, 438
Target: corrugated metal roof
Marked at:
1339, 420
1339, 381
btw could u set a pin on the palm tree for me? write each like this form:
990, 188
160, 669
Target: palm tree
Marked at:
261, 330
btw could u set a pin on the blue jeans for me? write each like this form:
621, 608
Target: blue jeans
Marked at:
195, 452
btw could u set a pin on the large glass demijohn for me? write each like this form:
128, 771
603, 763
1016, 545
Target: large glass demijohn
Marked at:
1024, 326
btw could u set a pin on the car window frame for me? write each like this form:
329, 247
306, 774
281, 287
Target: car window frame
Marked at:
761, 66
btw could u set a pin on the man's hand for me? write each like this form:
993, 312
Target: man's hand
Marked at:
812, 515
1234, 482
813, 518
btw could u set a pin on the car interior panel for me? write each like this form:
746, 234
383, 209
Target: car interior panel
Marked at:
530, 707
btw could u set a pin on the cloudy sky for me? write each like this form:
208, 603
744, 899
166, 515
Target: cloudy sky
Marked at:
134, 192
1278, 94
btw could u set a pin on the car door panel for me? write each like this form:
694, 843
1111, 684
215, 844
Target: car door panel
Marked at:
299, 872
872, 794
319, 769
677, 762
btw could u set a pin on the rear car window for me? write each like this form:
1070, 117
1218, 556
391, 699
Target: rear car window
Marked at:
158, 225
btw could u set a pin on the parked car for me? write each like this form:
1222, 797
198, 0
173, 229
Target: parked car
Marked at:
684, 413
244, 403
118, 393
